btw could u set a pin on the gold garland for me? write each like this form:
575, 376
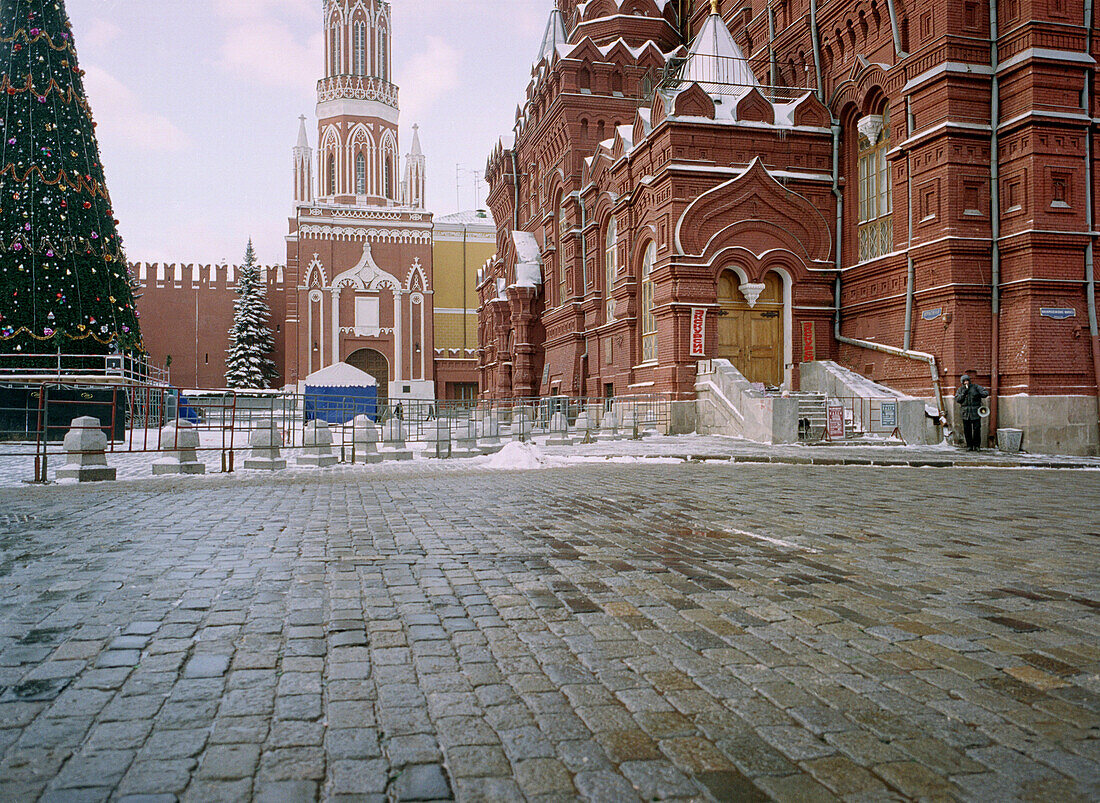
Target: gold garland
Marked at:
83, 182
53, 88
22, 32
140, 345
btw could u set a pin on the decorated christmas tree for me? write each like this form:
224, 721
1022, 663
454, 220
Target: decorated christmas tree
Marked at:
248, 362
64, 281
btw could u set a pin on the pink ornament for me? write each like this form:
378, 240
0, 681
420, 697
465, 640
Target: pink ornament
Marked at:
47, 331
17, 247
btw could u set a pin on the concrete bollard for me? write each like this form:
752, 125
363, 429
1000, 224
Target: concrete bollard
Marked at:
393, 440
489, 433
317, 446
559, 430
628, 422
179, 442
609, 427
585, 426
266, 442
86, 452
364, 441
521, 425
438, 435
465, 438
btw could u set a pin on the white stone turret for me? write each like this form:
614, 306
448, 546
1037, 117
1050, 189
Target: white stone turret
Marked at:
414, 183
303, 166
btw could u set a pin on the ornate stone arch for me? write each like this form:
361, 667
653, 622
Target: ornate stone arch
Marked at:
416, 280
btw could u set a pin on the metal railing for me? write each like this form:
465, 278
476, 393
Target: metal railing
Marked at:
34, 419
869, 415
357, 87
59, 367
725, 76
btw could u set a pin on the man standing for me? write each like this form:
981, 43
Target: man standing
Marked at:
969, 397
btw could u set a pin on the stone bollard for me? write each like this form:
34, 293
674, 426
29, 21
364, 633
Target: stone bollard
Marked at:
521, 425
628, 422
86, 452
489, 432
266, 442
438, 435
364, 441
559, 430
179, 441
609, 427
317, 446
465, 439
585, 427
393, 441
648, 425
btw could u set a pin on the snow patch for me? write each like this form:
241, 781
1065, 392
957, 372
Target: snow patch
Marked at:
517, 456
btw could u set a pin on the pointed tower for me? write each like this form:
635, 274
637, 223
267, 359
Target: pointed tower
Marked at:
303, 166
554, 35
357, 108
414, 173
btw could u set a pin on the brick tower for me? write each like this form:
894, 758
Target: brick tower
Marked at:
359, 253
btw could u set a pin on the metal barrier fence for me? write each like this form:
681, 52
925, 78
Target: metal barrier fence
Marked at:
35, 418
868, 415
58, 367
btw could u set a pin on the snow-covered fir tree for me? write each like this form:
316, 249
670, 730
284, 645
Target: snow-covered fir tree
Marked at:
249, 363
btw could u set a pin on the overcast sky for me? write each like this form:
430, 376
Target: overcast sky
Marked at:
197, 103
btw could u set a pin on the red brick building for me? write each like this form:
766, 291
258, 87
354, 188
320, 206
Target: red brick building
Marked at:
878, 183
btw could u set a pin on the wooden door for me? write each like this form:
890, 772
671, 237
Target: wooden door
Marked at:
752, 337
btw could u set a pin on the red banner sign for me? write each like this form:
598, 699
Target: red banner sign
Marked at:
809, 342
836, 422
698, 331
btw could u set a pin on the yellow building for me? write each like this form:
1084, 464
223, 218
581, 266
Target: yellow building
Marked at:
461, 243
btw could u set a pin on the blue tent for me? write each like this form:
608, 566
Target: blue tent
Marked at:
339, 393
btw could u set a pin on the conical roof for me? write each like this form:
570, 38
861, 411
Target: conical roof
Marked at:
415, 149
554, 36
303, 139
715, 58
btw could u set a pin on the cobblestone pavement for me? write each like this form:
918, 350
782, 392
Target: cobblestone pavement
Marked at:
610, 632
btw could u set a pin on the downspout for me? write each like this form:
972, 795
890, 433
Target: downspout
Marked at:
817, 50
909, 354
515, 186
910, 269
773, 72
1090, 270
898, 52
995, 222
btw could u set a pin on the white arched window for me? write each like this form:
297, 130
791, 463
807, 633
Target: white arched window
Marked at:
610, 268
335, 68
383, 54
360, 174
876, 203
330, 175
563, 281
649, 319
360, 48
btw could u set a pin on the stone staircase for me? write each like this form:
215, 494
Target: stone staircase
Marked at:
812, 419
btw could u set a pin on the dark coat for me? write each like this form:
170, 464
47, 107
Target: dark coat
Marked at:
970, 398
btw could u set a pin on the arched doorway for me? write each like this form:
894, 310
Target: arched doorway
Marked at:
751, 337
375, 364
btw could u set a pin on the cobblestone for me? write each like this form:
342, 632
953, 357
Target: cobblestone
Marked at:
683, 631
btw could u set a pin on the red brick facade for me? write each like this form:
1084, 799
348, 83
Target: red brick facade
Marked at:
726, 175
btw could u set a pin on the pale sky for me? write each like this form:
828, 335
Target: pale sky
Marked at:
197, 105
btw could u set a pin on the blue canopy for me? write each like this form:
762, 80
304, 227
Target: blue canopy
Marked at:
339, 393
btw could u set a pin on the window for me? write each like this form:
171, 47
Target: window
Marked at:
876, 226
610, 268
360, 49
383, 56
361, 174
563, 281
649, 319
387, 177
330, 175
334, 51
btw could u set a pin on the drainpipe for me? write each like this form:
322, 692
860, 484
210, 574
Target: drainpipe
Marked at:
1090, 271
995, 223
773, 73
898, 52
909, 354
911, 272
817, 51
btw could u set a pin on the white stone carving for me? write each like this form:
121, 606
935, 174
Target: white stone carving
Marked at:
752, 292
869, 127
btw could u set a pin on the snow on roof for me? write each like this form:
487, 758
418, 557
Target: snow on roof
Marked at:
715, 58
340, 375
528, 259
469, 217
554, 35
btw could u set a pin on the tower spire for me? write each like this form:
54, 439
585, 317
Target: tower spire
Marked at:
303, 166
554, 35
413, 185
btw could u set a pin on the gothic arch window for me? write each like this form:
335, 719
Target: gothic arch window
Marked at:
563, 280
876, 226
330, 174
360, 48
649, 318
360, 174
387, 176
335, 67
610, 267
383, 53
